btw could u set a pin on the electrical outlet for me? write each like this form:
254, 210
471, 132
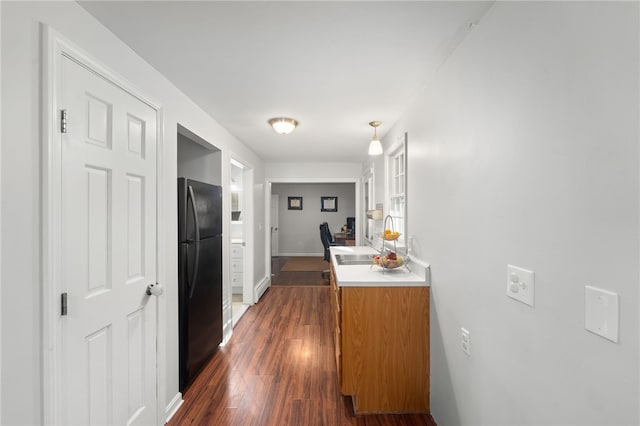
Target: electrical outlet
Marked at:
520, 284
466, 341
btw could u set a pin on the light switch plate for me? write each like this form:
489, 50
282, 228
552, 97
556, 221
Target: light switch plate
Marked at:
520, 284
601, 312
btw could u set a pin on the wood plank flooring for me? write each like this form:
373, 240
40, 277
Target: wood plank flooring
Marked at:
278, 369
295, 278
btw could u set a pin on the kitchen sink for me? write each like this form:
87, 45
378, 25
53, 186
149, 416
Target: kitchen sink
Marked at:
353, 259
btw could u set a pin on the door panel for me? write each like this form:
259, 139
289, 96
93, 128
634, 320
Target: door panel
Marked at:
100, 386
98, 244
108, 237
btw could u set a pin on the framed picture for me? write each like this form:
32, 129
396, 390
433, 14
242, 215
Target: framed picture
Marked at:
328, 204
295, 203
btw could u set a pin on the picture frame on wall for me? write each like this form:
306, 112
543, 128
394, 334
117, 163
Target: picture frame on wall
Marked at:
329, 204
294, 203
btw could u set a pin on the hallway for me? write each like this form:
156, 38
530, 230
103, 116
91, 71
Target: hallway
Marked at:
278, 369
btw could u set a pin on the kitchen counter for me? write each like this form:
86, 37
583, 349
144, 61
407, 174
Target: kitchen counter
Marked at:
375, 276
381, 334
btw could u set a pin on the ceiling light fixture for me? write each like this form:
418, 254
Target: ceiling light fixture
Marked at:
283, 125
375, 147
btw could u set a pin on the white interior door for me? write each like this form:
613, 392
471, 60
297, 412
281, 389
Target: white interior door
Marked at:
108, 242
275, 217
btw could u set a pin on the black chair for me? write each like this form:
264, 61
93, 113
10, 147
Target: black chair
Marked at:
326, 238
327, 241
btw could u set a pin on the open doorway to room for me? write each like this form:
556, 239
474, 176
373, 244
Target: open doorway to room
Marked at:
240, 185
297, 211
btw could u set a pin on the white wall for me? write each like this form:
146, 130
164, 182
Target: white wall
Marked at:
524, 150
299, 233
21, 350
199, 163
313, 170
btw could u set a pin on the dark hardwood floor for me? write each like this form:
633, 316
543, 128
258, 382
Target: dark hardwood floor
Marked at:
278, 369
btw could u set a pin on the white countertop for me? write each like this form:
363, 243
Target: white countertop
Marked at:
374, 276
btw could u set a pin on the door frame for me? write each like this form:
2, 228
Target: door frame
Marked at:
55, 47
247, 236
277, 252
356, 181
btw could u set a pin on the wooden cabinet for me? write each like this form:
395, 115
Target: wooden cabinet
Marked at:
382, 346
337, 322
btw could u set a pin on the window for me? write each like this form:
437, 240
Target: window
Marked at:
397, 178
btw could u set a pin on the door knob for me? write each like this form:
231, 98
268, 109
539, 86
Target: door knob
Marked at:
154, 289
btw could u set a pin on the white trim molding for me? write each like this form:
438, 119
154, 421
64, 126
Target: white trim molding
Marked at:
262, 287
173, 406
357, 181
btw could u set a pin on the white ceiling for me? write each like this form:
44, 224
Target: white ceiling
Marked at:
332, 65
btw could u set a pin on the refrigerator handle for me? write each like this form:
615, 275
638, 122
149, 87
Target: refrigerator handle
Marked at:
194, 276
196, 225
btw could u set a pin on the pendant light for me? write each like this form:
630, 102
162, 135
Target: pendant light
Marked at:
375, 147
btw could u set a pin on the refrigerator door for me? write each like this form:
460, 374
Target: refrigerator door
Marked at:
199, 210
200, 305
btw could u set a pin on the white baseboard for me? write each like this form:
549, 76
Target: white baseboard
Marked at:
239, 313
301, 254
173, 406
262, 287
227, 336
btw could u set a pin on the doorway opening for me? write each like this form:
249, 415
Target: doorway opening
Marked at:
240, 184
297, 207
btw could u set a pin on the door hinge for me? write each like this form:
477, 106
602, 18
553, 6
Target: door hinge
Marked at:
63, 121
63, 304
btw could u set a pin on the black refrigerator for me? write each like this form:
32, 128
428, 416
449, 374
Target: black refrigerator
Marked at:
199, 275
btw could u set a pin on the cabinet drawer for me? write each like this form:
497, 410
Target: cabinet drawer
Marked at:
237, 251
236, 265
236, 280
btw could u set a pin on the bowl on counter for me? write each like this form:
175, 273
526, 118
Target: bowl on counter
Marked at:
388, 263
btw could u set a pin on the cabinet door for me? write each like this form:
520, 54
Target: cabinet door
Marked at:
385, 348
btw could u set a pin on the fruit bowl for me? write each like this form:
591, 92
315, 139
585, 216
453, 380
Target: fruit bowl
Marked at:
388, 261
390, 236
